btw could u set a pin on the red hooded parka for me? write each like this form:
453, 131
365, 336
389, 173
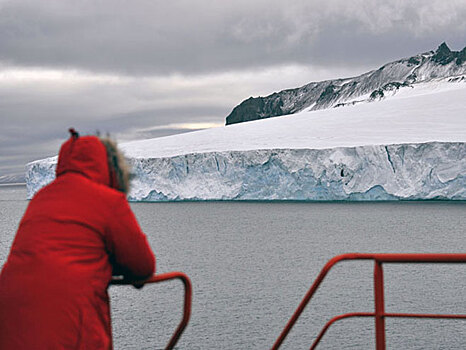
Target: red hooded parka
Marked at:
75, 232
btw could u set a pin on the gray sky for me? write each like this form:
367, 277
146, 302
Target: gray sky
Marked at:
140, 69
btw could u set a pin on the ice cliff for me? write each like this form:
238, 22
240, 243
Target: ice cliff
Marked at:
407, 171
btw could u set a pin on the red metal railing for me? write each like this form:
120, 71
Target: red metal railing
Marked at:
379, 314
187, 298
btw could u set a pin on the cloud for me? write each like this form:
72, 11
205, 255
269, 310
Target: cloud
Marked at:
183, 126
49, 98
163, 130
148, 37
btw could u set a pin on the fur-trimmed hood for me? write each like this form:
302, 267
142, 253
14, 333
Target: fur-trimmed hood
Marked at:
99, 159
119, 168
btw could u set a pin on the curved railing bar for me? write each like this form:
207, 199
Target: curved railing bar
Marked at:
187, 298
311, 292
335, 319
372, 314
378, 258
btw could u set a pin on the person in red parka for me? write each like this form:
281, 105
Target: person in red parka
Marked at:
76, 232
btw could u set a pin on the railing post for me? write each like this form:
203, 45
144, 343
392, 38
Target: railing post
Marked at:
379, 306
117, 280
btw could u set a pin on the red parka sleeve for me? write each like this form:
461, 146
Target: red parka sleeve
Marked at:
130, 252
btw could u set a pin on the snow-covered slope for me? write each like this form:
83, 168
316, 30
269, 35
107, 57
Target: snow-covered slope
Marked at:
370, 86
408, 146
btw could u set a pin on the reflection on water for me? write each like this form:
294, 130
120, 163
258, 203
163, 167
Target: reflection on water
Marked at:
251, 263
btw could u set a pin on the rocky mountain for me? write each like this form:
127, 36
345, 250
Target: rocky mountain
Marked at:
374, 85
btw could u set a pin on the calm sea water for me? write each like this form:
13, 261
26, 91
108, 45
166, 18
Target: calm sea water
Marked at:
251, 264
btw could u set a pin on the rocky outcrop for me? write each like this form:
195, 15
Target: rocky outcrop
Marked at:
442, 63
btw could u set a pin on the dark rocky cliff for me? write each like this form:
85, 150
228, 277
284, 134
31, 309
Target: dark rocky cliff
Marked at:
441, 63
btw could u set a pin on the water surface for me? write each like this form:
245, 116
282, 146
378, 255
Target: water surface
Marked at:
251, 263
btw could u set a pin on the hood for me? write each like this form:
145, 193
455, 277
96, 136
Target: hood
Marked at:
84, 155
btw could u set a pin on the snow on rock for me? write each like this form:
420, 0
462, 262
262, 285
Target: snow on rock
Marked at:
408, 146
374, 85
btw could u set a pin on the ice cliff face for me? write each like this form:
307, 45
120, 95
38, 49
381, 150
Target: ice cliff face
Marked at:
410, 171
405, 171
374, 85
39, 174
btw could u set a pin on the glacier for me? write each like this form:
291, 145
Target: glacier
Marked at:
433, 170
409, 146
407, 171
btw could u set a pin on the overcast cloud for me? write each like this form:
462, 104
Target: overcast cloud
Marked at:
151, 68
